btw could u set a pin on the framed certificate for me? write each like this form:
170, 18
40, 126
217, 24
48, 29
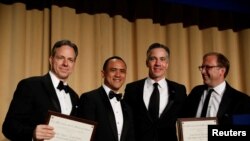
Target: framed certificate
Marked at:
194, 129
69, 128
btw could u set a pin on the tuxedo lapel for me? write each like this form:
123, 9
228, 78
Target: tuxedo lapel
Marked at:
225, 101
47, 82
74, 101
109, 112
195, 95
171, 98
125, 121
198, 95
141, 103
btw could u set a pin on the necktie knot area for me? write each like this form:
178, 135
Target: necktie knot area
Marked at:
155, 85
61, 86
117, 96
205, 105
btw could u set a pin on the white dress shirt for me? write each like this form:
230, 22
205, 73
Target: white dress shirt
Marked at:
214, 102
117, 109
163, 89
63, 97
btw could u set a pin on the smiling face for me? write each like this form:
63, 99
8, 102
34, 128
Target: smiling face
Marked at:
63, 62
114, 74
157, 63
212, 74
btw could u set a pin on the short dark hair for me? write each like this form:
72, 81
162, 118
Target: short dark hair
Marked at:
110, 58
222, 61
60, 43
158, 45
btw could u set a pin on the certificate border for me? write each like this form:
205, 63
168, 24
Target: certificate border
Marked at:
74, 119
180, 121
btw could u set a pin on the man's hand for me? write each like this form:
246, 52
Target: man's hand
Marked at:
43, 132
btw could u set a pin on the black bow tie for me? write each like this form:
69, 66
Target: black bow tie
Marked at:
61, 86
117, 96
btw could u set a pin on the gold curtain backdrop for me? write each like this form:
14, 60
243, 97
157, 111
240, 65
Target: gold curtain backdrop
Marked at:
27, 36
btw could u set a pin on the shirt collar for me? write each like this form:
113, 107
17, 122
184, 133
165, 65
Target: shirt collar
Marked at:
55, 80
219, 89
107, 89
150, 82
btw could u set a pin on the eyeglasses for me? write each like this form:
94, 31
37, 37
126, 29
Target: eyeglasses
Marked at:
207, 67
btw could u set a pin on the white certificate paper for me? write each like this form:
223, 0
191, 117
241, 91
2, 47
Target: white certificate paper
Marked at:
68, 128
194, 129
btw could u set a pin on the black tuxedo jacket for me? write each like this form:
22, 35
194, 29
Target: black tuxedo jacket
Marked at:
95, 106
31, 101
163, 129
232, 103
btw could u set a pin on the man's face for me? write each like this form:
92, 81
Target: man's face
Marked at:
212, 74
62, 64
157, 63
115, 74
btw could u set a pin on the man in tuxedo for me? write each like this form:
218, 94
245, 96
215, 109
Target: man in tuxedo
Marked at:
223, 101
34, 96
164, 96
105, 106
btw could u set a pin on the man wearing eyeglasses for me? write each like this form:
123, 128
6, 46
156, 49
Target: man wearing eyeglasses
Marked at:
216, 98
